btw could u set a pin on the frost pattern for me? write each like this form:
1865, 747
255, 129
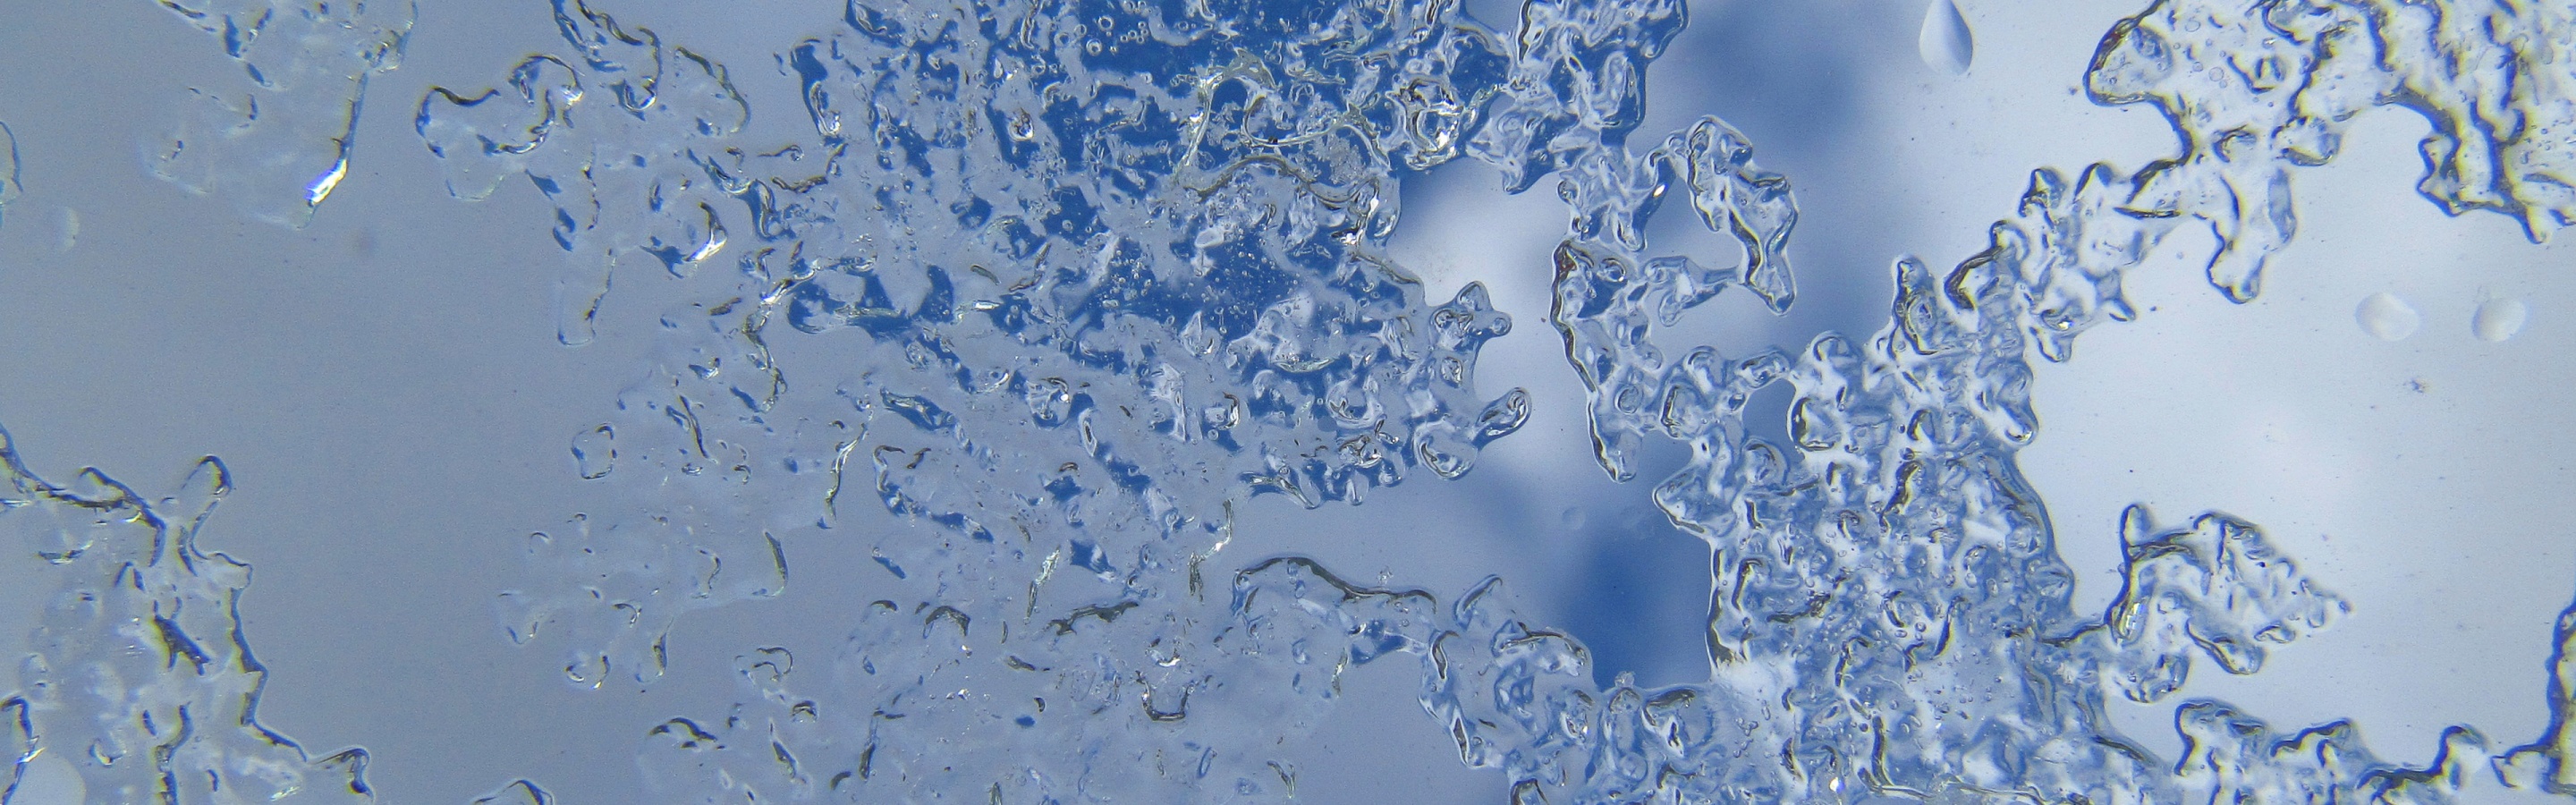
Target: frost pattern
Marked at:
1069, 280
280, 144
142, 677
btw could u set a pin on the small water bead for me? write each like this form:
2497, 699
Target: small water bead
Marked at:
1945, 43
2387, 317
2499, 319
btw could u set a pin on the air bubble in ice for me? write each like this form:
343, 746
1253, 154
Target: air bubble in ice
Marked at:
2499, 319
2387, 317
1945, 42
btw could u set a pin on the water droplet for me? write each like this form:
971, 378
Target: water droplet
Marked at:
594, 452
1945, 42
2387, 317
2499, 319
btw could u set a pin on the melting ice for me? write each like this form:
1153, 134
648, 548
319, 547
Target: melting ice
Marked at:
1072, 281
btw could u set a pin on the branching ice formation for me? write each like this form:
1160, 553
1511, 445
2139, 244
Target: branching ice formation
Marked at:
279, 145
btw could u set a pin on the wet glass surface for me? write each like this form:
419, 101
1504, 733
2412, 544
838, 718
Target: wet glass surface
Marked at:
1576, 401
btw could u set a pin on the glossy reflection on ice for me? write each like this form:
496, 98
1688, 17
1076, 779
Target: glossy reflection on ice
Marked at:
2499, 319
2386, 317
277, 142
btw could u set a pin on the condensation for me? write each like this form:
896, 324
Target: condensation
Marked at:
1066, 283
278, 142
141, 675
1080, 305
1890, 616
1097, 274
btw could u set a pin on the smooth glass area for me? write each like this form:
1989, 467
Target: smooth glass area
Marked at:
1423, 401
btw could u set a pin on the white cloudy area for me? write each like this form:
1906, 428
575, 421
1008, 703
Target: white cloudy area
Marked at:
386, 386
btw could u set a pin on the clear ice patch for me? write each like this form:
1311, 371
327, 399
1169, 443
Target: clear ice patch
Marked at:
278, 141
142, 682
